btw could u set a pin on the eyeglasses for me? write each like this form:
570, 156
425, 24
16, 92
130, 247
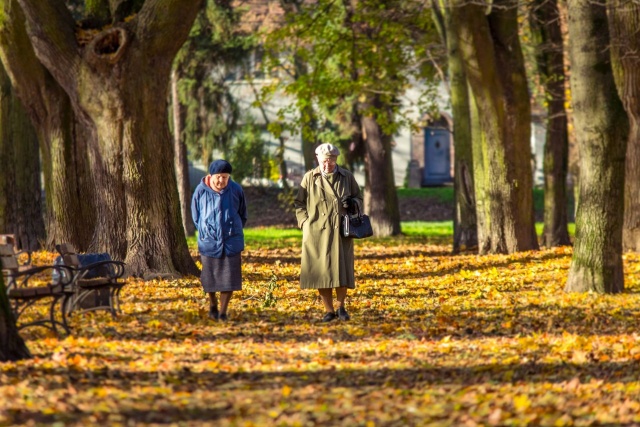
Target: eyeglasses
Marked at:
328, 161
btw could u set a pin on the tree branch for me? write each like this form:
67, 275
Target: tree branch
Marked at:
23, 67
51, 29
174, 18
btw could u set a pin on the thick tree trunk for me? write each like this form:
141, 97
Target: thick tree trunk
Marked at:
465, 227
180, 160
381, 199
20, 193
495, 70
12, 346
631, 222
64, 163
118, 83
601, 130
545, 22
155, 237
624, 21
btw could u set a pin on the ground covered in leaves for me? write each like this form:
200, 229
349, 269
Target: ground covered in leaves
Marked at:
434, 339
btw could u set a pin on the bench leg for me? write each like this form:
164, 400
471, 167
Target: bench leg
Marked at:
52, 314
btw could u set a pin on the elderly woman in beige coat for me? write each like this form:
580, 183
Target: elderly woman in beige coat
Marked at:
326, 193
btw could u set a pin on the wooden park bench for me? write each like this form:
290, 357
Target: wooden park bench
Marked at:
23, 257
28, 285
96, 285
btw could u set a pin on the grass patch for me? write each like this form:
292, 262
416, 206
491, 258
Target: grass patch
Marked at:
444, 194
272, 238
440, 232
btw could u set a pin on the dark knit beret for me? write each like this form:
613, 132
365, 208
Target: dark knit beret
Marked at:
219, 166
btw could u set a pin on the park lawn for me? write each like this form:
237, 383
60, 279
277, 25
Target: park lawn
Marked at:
440, 232
434, 339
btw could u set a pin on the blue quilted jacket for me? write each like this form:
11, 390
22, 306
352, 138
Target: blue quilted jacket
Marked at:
220, 219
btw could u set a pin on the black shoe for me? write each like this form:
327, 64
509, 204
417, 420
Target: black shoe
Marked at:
213, 313
328, 317
222, 317
342, 314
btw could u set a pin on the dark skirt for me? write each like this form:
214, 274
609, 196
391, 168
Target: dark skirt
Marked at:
221, 274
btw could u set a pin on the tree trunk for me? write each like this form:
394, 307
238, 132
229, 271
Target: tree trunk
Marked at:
180, 160
309, 122
545, 23
64, 163
624, 21
118, 83
601, 131
12, 346
381, 199
479, 172
495, 70
465, 227
20, 193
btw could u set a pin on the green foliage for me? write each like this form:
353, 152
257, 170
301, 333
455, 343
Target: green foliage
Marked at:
335, 58
248, 154
214, 49
285, 200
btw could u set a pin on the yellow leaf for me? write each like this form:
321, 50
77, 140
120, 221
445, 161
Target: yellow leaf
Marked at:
521, 402
286, 391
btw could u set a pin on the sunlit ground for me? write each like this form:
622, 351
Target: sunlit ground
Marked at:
434, 339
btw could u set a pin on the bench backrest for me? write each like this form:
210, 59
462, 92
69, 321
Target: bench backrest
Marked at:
69, 255
7, 239
8, 257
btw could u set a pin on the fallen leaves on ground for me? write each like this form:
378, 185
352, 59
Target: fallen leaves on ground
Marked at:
434, 339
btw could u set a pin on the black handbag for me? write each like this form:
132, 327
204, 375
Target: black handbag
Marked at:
357, 226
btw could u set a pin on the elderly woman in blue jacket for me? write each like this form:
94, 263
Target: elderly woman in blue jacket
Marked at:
219, 212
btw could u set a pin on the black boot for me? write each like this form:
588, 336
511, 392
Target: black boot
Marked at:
213, 313
328, 317
342, 314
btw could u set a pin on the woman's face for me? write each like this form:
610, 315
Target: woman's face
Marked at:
327, 165
219, 181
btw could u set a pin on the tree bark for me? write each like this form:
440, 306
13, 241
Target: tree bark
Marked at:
67, 177
495, 70
118, 84
309, 122
180, 160
601, 131
624, 21
20, 193
12, 346
545, 23
465, 227
380, 197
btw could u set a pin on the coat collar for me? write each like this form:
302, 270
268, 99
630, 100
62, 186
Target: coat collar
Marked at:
324, 184
318, 172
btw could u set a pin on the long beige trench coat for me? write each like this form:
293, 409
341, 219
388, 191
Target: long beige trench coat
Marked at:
327, 257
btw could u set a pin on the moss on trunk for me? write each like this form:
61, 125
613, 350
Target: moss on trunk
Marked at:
601, 130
